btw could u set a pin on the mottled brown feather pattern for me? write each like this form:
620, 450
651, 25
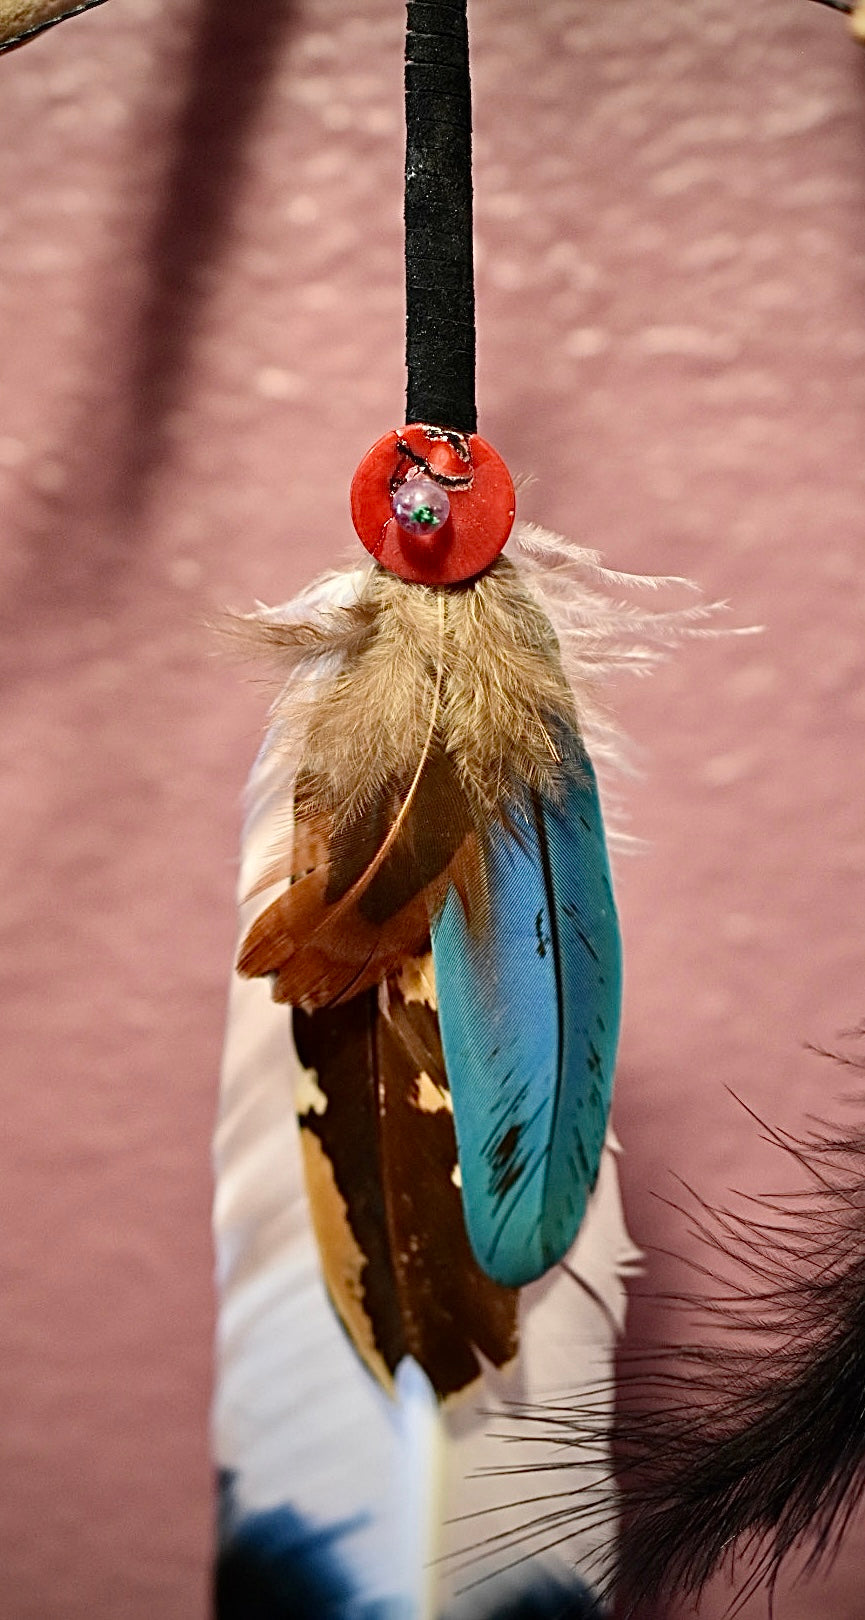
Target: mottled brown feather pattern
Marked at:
381, 1159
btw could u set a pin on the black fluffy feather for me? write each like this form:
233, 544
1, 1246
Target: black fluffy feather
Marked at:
755, 1441
758, 1440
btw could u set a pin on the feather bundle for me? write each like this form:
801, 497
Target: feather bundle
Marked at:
444, 801
337, 1498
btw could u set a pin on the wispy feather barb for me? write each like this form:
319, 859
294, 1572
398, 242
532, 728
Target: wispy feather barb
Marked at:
524, 654
503, 694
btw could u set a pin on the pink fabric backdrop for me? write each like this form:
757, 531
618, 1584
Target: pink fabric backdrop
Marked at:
200, 313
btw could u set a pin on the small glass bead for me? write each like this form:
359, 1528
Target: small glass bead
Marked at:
420, 506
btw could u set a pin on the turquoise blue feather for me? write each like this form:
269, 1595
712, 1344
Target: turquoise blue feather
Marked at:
529, 1014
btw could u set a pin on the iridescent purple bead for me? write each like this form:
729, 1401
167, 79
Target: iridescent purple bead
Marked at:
420, 506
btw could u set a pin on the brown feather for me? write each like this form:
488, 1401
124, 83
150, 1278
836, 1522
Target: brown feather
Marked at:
380, 1154
433, 711
362, 891
360, 898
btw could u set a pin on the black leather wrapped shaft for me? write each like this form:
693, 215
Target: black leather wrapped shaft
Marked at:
440, 298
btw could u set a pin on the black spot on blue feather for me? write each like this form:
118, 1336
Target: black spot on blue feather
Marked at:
504, 1109
582, 1157
543, 940
505, 1166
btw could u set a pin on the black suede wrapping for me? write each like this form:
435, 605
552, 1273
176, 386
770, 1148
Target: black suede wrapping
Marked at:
440, 300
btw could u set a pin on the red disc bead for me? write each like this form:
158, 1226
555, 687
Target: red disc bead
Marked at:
479, 488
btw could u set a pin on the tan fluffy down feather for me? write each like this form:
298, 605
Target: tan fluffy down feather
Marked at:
503, 698
518, 666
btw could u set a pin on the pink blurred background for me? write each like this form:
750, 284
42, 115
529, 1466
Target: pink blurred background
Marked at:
200, 334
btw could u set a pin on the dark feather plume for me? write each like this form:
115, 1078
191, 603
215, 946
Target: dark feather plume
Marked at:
754, 1441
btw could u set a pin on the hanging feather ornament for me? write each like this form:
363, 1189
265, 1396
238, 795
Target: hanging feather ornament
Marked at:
426, 886
444, 797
